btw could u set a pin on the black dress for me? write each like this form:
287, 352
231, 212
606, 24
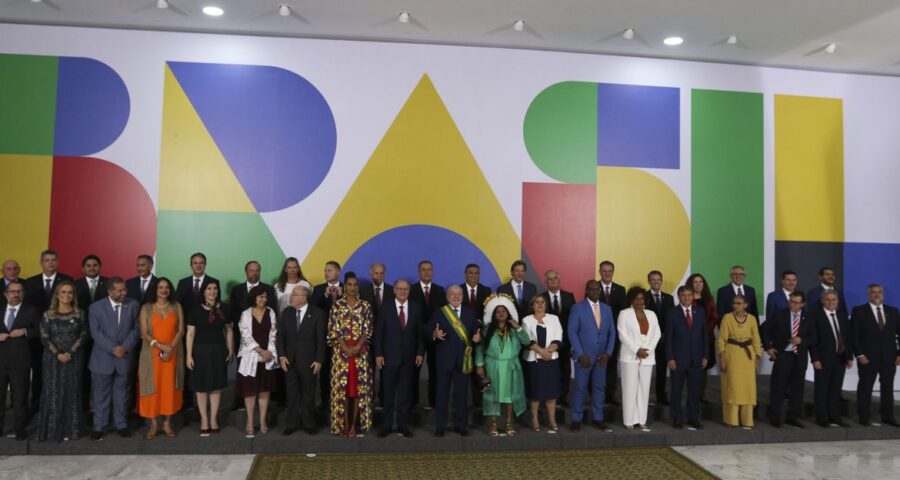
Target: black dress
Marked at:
209, 351
265, 380
61, 399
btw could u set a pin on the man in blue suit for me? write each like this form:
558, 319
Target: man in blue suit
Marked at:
520, 290
593, 337
725, 295
115, 331
399, 349
687, 355
781, 299
455, 359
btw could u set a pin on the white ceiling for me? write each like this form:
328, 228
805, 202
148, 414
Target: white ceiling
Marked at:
790, 33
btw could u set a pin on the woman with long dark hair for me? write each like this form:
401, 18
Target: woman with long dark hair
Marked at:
703, 299
291, 275
161, 364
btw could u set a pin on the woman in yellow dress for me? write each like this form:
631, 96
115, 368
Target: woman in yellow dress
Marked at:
739, 349
350, 328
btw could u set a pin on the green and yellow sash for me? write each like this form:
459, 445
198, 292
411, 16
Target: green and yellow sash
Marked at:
460, 329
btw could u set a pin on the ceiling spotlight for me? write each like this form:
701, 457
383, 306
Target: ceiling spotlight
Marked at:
213, 11
403, 17
732, 40
673, 41
35, 1
628, 34
831, 47
284, 10
519, 25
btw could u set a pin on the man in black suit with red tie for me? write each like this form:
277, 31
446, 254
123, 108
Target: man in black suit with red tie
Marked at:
38, 292
518, 288
144, 282
787, 337
191, 288
323, 296
559, 302
430, 297
613, 295
474, 295
399, 350
876, 332
831, 355
300, 342
18, 325
660, 302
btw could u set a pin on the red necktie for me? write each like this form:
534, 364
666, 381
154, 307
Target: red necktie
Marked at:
402, 318
687, 316
472, 298
795, 329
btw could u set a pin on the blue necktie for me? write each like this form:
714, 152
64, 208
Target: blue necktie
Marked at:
10, 319
519, 293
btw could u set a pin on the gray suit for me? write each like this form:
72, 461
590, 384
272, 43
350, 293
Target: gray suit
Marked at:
109, 375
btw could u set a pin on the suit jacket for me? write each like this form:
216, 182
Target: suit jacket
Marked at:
237, 300
15, 352
34, 291
399, 346
83, 292
184, 292
367, 293
776, 333
825, 348
304, 346
725, 296
3, 284
566, 302
869, 340
584, 337
617, 298
320, 300
688, 346
133, 285
107, 333
528, 290
632, 341
449, 351
814, 300
481, 294
437, 298
776, 301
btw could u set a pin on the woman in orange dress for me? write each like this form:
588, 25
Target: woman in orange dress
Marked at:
161, 365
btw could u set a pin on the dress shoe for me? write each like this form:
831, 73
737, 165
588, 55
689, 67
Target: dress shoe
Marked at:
575, 426
96, 435
288, 431
891, 421
677, 425
775, 423
311, 431
865, 422
463, 432
601, 425
384, 432
794, 422
439, 433
839, 422
695, 425
704, 401
124, 433
21, 435
823, 423
406, 432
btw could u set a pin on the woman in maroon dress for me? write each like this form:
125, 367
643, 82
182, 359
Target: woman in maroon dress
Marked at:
258, 366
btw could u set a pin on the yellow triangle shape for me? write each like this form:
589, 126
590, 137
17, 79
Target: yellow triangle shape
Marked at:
193, 174
422, 173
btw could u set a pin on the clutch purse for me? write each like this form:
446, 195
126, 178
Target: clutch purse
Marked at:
484, 383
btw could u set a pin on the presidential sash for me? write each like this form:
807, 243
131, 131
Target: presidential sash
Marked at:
460, 329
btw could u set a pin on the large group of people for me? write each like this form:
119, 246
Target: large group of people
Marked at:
153, 346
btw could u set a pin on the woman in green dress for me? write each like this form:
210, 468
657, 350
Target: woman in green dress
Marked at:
497, 357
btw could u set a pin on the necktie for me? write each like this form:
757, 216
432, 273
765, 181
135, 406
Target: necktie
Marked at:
402, 317
426, 294
689, 318
658, 301
880, 318
519, 293
118, 314
472, 298
143, 287
740, 290
10, 319
378, 296
795, 329
299, 319
196, 286
839, 337
596, 308
607, 295
48, 287
93, 282
555, 304
456, 312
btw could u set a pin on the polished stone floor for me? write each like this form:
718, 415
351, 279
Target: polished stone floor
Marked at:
878, 459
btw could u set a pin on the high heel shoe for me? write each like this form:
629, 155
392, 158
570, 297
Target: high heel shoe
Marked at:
535, 425
167, 429
511, 427
154, 427
492, 430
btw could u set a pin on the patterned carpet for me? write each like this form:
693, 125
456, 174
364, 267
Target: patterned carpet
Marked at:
612, 463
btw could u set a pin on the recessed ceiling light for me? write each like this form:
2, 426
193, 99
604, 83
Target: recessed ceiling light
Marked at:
519, 25
673, 41
284, 10
403, 17
35, 1
628, 34
831, 47
213, 11
732, 40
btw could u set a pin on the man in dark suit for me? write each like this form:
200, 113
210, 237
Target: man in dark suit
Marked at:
687, 353
92, 286
725, 295
191, 288
474, 295
780, 299
827, 280
18, 325
453, 366
660, 302
237, 303
787, 337
831, 355
876, 332
430, 297
520, 290
613, 295
10, 271
38, 292
399, 349
301, 343
378, 292
323, 296
115, 331
559, 303
144, 282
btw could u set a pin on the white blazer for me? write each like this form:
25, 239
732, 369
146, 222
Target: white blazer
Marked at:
247, 353
554, 334
632, 340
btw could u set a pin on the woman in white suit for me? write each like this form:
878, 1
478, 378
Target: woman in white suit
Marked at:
639, 333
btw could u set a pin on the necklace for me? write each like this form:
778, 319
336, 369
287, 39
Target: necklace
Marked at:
157, 305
